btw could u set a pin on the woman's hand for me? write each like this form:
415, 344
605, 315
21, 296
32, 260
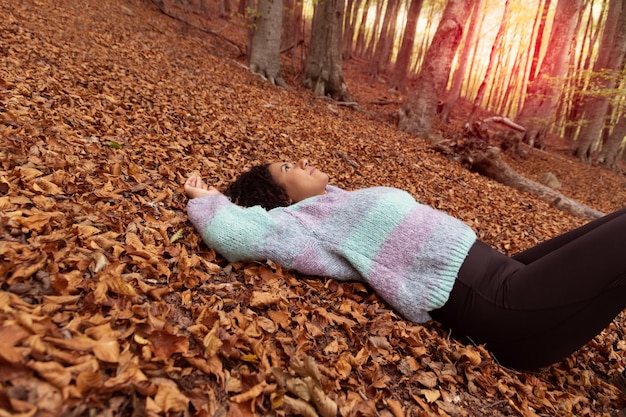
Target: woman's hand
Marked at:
195, 187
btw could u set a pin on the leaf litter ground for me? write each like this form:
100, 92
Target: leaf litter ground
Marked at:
110, 303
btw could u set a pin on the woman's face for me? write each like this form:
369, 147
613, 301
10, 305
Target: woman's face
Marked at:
300, 180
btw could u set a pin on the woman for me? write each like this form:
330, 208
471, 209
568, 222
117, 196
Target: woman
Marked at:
530, 310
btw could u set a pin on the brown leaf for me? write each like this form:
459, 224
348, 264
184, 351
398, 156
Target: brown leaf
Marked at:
395, 407
89, 381
251, 394
52, 372
299, 407
431, 395
168, 396
262, 299
9, 336
165, 344
427, 379
107, 349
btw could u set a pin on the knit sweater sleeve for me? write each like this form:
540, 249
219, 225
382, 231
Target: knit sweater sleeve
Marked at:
234, 231
285, 234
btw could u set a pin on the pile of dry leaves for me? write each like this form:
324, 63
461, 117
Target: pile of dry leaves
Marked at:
110, 303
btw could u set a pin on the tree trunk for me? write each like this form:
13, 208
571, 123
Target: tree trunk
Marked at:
265, 43
537, 45
459, 74
401, 68
360, 40
241, 8
492, 58
417, 113
382, 53
292, 36
543, 92
606, 71
375, 33
224, 7
349, 28
611, 148
573, 114
323, 72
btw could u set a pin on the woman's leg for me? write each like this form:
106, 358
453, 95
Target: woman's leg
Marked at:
550, 245
532, 315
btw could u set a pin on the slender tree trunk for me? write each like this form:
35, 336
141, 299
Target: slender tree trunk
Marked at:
573, 111
401, 68
241, 8
459, 74
292, 31
360, 40
224, 7
323, 72
611, 55
543, 93
509, 98
425, 40
417, 113
538, 40
492, 58
375, 35
349, 28
382, 52
471, 86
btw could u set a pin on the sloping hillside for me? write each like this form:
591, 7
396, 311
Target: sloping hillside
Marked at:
111, 305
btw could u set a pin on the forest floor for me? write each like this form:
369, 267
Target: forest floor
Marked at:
111, 305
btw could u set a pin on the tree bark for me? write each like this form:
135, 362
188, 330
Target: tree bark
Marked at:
224, 7
417, 113
606, 71
323, 72
360, 40
375, 33
401, 68
543, 92
292, 36
382, 53
349, 28
610, 150
492, 59
265, 43
538, 40
459, 74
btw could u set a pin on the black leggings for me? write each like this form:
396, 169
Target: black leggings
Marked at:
539, 306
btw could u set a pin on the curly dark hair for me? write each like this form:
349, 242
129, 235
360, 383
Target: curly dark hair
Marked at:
256, 187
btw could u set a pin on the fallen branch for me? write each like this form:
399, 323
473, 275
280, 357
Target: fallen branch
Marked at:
505, 121
479, 156
491, 165
383, 102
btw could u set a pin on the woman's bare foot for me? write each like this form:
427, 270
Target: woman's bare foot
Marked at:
195, 187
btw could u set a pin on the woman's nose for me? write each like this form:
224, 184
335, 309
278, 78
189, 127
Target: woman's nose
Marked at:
303, 163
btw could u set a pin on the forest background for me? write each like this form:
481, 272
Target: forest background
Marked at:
110, 304
552, 66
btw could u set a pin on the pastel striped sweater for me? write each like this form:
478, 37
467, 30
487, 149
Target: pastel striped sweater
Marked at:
409, 253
